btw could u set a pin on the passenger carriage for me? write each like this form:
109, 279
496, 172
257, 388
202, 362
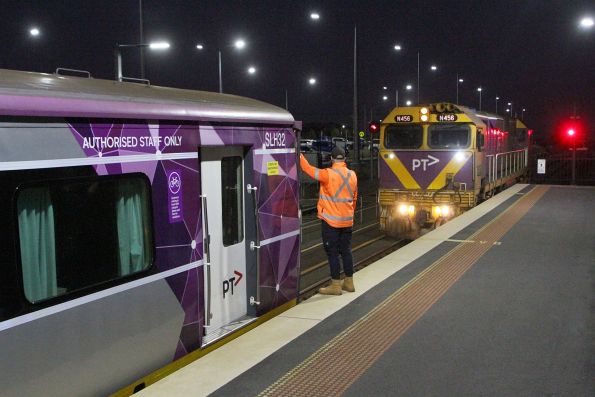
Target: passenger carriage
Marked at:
141, 225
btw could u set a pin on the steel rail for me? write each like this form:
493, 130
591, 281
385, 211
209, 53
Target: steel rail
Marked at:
355, 231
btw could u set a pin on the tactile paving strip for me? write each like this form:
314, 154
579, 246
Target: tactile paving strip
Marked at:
338, 364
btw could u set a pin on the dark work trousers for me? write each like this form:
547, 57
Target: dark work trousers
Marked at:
337, 242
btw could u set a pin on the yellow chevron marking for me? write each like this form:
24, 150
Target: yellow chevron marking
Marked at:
452, 167
401, 172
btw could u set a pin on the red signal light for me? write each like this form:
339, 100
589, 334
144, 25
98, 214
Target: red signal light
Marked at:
570, 132
373, 128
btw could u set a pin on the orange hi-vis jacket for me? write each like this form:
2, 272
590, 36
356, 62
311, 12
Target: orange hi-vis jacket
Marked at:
338, 192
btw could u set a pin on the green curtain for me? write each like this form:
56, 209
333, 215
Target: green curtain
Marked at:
38, 243
130, 209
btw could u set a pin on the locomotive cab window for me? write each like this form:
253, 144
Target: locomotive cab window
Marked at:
77, 233
403, 136
449, 136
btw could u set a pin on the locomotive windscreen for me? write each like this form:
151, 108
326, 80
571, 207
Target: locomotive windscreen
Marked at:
449, 136
403, 136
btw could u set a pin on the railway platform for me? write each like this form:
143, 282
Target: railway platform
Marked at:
499, 301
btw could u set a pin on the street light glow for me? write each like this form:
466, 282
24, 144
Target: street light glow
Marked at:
586, 23
461, 80
315, 16
408, 103
497, 98
434, 67
408, 87
159, 45
251, 70
240, 44
199, 47
397, 47
385, 88
384, 98
479, 89
312, 81
34, 32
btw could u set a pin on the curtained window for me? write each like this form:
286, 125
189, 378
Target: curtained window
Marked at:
81, 232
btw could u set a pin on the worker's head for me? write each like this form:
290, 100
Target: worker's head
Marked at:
337, 154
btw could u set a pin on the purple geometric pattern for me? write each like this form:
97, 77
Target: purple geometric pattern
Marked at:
180, 243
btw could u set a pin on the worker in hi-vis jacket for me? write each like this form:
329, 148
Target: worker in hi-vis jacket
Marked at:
336, 207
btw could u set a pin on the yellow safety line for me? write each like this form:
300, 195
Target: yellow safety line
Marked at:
391, 298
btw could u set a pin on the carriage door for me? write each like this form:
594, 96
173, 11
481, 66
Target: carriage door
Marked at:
224, 252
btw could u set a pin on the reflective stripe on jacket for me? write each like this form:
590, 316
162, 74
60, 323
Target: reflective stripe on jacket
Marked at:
338, 192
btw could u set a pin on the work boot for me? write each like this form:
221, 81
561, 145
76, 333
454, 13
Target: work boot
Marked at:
333, 289
348, 284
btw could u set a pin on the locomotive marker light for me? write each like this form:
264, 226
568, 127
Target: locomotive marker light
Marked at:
424, 114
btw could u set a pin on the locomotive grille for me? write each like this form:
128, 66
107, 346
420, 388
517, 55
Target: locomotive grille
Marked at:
425, 198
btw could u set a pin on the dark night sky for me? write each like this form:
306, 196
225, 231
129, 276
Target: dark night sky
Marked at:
529, 52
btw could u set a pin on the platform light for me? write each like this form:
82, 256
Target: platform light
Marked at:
587, 23
315, 16
34, 32
251, 70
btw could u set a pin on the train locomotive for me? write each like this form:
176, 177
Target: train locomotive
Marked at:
141, 225
439, 160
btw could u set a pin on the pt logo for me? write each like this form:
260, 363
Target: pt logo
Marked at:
424, 163
230, 283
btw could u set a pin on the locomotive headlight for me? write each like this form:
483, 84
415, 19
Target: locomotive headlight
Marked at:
424, 110
403, 209
460, 156
424, 117
391, 156
442, 211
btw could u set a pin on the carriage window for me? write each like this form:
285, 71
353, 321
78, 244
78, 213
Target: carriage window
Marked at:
81, 232
407, 136
448, 136
232, 200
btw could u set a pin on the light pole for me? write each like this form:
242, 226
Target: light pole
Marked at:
162, 45
497, 98
479, 90
239, 44
458, 81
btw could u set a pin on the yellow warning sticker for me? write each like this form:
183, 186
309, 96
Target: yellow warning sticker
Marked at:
272, 168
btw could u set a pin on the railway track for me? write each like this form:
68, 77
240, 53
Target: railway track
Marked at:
368, 245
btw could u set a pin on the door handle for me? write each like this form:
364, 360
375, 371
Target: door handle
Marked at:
207, 250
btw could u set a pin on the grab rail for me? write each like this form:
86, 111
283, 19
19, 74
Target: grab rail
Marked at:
505, 164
